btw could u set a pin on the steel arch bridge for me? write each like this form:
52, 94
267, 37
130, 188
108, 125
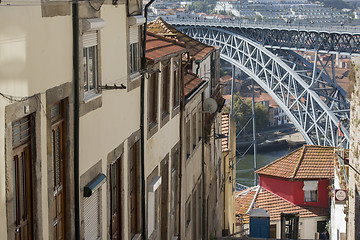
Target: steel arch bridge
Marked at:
309, 96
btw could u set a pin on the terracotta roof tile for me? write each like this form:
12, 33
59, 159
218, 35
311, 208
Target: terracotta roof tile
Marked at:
225, 128
197, 50
307, 162
191, 82
158, 47
274, 204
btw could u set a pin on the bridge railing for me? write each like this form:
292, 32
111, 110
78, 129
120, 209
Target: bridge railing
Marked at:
298, 26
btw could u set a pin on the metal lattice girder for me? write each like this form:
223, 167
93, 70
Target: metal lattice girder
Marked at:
314, 106
331, 39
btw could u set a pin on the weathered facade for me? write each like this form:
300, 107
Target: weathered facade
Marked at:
353, 207
96, 143
40, 68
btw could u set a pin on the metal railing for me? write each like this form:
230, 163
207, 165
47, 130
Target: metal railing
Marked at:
280, 25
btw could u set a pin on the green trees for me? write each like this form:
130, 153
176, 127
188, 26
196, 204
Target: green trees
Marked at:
243, 111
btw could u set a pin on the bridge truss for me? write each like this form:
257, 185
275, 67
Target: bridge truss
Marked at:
310, 97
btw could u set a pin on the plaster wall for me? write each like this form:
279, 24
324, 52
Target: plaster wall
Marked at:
229, 159
337, 216
114, 46
34, 55
3, 222
353, 226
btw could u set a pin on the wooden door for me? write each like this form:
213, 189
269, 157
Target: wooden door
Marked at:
115, 200
22, 193
58, 158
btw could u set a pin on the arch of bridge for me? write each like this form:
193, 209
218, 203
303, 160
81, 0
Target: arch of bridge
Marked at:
302, 105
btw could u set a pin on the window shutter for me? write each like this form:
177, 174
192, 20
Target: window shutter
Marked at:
90, 39
134, 34
91, 216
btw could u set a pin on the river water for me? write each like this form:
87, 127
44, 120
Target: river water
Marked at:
245, 166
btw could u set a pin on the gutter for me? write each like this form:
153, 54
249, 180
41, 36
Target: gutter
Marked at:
203, 85
142, 112
76, 79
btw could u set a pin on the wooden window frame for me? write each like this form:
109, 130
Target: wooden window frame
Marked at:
58, 123
165, 76
134, 188
153, 100
118, 199
176, 84
22, 173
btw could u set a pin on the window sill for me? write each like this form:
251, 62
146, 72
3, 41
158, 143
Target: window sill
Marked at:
91, 95
152, 129
134, 76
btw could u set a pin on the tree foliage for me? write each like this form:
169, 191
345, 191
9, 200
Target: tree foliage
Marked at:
243, 112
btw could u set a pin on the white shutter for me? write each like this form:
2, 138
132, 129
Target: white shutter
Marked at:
91, 216
310, 186
134, 34
90, 39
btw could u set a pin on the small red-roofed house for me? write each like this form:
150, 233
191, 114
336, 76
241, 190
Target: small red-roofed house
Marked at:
296, 183
302, 177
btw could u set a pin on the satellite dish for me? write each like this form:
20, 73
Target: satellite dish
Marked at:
210, 105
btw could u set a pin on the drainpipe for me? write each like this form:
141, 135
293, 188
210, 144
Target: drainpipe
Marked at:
203, 168
182, 109
142, 112
75, 25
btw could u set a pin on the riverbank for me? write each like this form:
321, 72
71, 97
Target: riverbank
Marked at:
278, 137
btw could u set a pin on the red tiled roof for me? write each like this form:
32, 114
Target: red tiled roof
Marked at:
307, 162
225, 127
197, 50
274, 204
158, 47
191, 82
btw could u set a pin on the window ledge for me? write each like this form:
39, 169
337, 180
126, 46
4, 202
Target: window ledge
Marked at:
134, 76
89, 96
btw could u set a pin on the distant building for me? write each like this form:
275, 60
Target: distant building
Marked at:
296, 183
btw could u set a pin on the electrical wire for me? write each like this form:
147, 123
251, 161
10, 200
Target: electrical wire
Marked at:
92, 6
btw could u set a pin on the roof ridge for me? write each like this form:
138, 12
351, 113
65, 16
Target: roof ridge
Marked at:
299, 162
254, 199
277, 160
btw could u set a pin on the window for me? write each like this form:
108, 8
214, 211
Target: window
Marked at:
199, 127
310, 191
174, 193
58, 158
152, 99
115, 199
134, 188
187, 139
310, 196
194, 139
176, 82
165, 90
90, 61
92, 216
187, 213
22, 174
134, 50
134, 58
